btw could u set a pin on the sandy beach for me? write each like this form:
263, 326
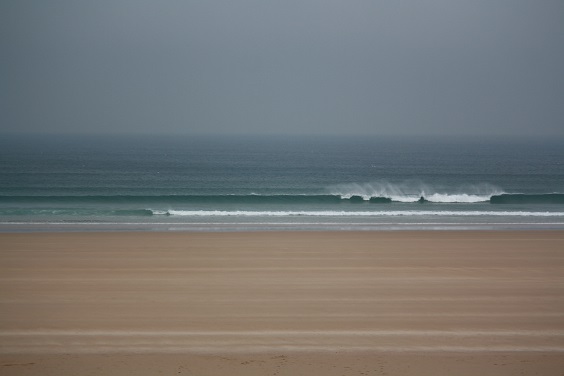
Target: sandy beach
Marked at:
282, 303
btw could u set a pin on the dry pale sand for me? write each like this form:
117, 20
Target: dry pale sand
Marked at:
284, 303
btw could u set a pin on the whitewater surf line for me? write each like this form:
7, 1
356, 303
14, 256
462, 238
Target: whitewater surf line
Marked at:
331, 213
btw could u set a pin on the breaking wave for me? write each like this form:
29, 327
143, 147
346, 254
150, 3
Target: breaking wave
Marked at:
375, 192
416, 192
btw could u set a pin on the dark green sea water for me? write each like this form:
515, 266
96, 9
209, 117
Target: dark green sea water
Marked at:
247, 183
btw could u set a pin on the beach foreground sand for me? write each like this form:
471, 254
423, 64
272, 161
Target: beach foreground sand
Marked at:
282, 303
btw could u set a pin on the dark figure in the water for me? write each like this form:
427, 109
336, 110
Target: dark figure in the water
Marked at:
422, 200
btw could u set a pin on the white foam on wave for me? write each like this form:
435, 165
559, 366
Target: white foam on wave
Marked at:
331, 213
469, 198
412, 191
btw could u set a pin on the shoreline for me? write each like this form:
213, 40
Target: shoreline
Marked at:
246, 227
282, 302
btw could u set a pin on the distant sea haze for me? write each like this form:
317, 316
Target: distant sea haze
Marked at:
221, 183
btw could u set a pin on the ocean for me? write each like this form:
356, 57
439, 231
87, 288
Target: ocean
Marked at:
254, 183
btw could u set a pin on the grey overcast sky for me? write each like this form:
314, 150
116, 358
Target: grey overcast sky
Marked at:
454, 67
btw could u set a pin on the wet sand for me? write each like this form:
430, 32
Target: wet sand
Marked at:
282, 303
